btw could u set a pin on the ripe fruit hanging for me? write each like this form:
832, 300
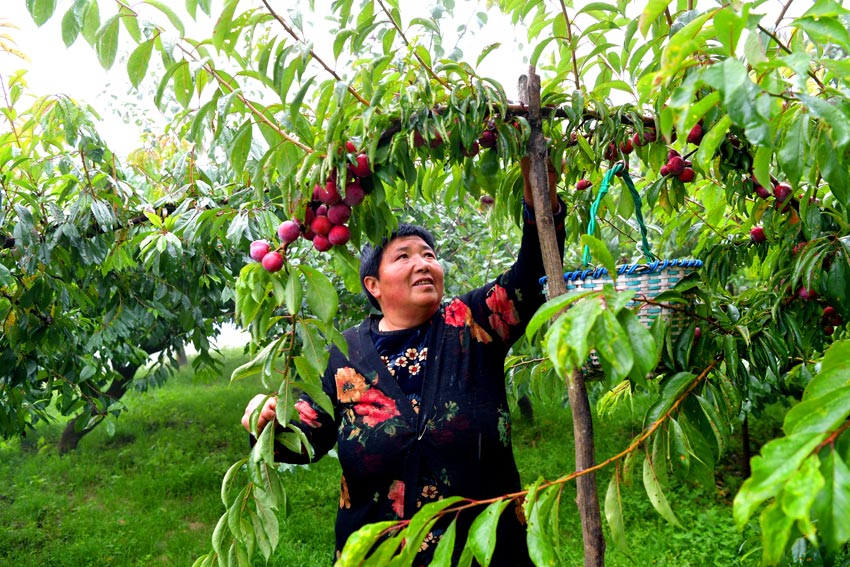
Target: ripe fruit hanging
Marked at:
288, 231
273, 262
695, 135
757, 235
321, 243
258, 250
487, 139
361, 168
354, 194
321, 225
806, 294
675, 165
781, 191
339, 213
687, 175
338, 235
583, 184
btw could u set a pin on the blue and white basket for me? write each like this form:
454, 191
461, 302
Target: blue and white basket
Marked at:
647, 280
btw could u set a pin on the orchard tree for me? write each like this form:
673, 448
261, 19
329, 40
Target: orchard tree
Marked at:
732, 126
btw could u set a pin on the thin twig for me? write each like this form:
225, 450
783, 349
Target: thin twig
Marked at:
407, 43
572, 47
321, 62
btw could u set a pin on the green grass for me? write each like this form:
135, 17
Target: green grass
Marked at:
149, 495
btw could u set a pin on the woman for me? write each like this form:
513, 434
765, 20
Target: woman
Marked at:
421, 409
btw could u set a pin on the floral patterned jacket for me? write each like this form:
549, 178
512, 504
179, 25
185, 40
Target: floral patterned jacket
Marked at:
396, 457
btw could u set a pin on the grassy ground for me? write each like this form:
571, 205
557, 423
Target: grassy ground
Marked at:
149, 495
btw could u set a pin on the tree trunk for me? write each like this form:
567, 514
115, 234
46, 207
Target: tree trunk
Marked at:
587, 498
75, 431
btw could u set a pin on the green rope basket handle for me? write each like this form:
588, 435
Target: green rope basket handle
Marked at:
620, 168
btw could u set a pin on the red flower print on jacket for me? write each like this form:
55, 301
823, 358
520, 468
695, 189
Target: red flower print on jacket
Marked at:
504, 313
349, 385
396, 496
375, 407
307, 414
458, 314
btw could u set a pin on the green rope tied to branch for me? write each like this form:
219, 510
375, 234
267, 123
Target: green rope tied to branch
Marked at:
620, 168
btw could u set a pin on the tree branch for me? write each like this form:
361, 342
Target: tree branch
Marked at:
572, 50
321, 62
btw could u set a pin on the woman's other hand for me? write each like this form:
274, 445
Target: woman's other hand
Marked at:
268, 407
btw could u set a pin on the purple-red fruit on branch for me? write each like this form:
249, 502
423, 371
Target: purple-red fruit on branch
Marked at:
695, 135
321, 211
472, 151
339, 235
806, 294
339, 213
321, 243
273, 262
671, 154
626, 147
487, 139
288, 231
611, 152
321, 225
487, 200
317, 192
675, 165
258, 250
418, 139
350, 147
361, 168
583, 184
757, 234
329, 195
687, 175
354, 194
697, 333
782, 191
665, 170
828, 330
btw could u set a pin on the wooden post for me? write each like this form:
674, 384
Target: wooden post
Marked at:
587, 495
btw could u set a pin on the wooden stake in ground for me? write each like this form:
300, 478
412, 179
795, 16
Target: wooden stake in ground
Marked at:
587, 498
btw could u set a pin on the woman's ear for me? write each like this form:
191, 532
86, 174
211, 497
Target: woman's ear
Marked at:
373, 286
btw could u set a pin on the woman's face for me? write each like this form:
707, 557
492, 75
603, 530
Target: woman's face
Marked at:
410, 280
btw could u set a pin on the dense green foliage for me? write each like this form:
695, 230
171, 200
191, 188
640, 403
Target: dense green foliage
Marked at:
760, 108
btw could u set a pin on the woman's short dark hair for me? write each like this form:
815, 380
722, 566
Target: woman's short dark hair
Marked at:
370, 256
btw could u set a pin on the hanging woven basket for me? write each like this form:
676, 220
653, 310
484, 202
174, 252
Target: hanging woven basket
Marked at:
647, 280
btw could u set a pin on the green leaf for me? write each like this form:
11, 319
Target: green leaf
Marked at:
41, 10
107, 42
802, 488
838, 280
321, 294
711, 141
169, 13
832, 507
642, 344
672, 390
91, 21
70, 27
542, 511
778, 461
656, 494
819, 415
614, 512
184, 87
240, 147
445, 548
360, 542
293, 294
137, 64
775, 530
654, 8
553, 306
600, 251
795, 145
482, 533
